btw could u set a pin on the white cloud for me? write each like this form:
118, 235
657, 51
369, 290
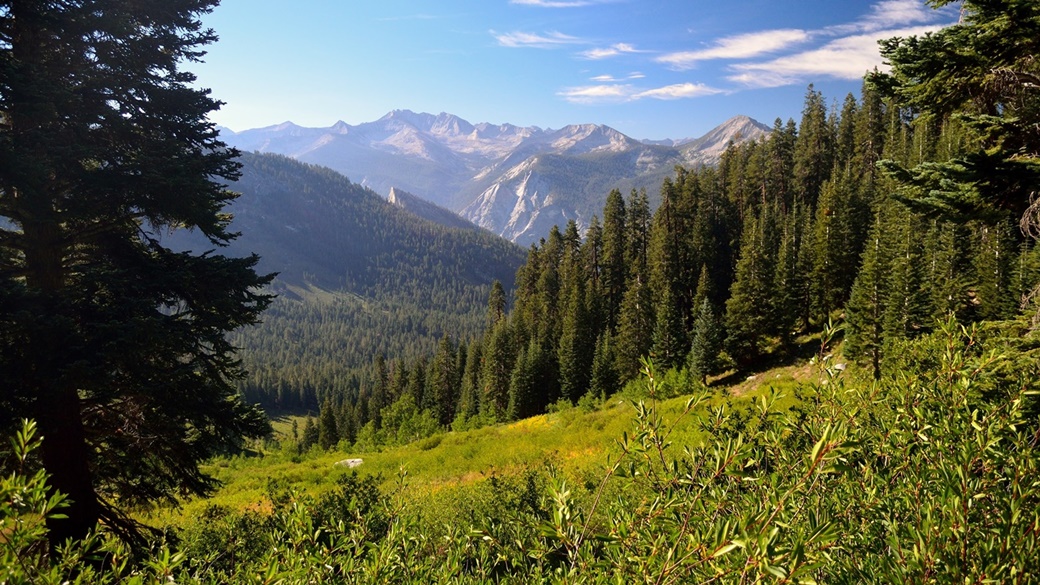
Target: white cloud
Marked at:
597, 94
678, 91
898, 13
738, 47
845, 58
611, 51
620, 93
612, 79
547, 40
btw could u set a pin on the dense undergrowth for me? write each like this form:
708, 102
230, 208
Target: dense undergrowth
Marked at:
929, 475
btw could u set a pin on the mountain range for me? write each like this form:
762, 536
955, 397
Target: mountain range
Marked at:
514, 181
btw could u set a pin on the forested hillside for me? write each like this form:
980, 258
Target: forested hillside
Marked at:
790, 232
357, 277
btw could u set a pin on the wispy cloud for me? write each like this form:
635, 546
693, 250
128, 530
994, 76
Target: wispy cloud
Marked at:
678, 91
621, 93
612, 79
738, 47
591, 94
898, 14
845, 58
548, 40
611, 51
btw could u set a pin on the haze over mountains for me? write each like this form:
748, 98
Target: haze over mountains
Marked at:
513, 181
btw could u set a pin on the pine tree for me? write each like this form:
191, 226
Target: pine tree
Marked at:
908, 308
311, 434
635, 329
670, 344
749, 310
866, 308
604, 380
836, 247
521, 385
115, 344
994, 259
496, 305
443, 382
813, 149
615, 269
576, 345
328, 433
498, 359
983, 70
708, 338
470, 393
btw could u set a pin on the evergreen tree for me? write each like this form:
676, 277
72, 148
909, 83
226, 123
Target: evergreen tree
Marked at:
866, 308
470, 393
113, 343
635, 329
614, 267
708, 338
813, 149
908, 308
576, 345
311, 434
749, 310
789, 280
328, 433
523, 383
443, 382
836, 247
604, 381
994, 260
497, 367
670, 343
983, 70
496, 305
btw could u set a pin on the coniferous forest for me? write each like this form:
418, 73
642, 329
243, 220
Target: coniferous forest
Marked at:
734, 268
884, 245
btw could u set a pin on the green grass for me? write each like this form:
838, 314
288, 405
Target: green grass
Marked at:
573, 441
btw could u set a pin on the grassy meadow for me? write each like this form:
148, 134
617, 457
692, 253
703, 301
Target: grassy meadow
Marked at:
436, 473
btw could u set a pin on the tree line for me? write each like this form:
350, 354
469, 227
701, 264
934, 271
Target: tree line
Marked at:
788, 233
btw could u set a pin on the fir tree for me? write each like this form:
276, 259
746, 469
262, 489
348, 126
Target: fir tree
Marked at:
749, 310
708, 338
576, 345
328, 433
497, 366
635, 329
669, 338
115, 344
866, 308
614, 267
604, 381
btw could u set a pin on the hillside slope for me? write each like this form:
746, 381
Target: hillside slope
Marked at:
358, 277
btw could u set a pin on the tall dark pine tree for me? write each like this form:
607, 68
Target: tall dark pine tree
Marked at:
984, 71
868, 301
114, 343
615, 274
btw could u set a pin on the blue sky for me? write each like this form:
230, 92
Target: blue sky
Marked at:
649, 68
